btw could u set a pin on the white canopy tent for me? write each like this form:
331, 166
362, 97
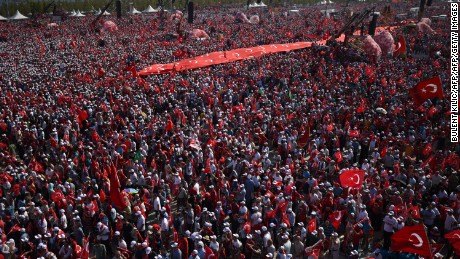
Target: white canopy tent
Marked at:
79, 14
135, 11
106, 13
18, 16
73, 13
3, 18
257, 5
149, 9
324, 2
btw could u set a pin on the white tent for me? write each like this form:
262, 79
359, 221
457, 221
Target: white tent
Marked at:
18, 16
257, 5
79, 14
324, 2
135, 11
73, 13
3, 18
105, 13
149, 9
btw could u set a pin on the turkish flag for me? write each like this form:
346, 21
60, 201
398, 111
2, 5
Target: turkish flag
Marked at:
311, 225
169, 125
453, 236
131, 68
400, 47
303, 139
336, 218
414, 211
352, 178
411, 239
338, 156
57, 196
427, 89
115, 195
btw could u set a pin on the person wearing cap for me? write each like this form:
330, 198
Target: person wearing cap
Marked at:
270, 248
430, 214
389, 226
194, 255
176, 253
62, 219
213, 244
236, 247
450, 222
103, 233
118, 242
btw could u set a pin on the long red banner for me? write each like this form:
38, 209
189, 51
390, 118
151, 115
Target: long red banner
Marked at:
220, 57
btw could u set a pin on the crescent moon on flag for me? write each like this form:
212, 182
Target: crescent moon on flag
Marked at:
457, 235
357, 178
419, 239
398, 46
339, 216
435, 87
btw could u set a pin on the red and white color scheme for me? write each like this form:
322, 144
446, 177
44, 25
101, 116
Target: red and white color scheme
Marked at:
427, 89
412, 239
352, 178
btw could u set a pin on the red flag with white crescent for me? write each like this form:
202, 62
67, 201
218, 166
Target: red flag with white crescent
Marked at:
352, 178
411, 239
453, 236
336, 218
427, 89
414, 211
400, 47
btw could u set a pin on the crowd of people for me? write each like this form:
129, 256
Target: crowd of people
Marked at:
238, 160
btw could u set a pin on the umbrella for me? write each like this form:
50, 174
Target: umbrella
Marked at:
131, 191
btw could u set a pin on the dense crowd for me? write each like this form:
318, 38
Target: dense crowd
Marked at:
238, 160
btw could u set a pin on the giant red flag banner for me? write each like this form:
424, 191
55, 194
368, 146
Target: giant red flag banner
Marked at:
427, 89
221, 57
411, 239
352, 178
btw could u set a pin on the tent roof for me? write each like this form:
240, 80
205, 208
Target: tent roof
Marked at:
3, 18
18, 16
257, 5
149, 9
79, 14
325, 2
135, 11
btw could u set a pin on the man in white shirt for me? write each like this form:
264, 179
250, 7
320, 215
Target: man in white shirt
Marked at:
214, 245
450, 221
140, 222
362, 213
388, 228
